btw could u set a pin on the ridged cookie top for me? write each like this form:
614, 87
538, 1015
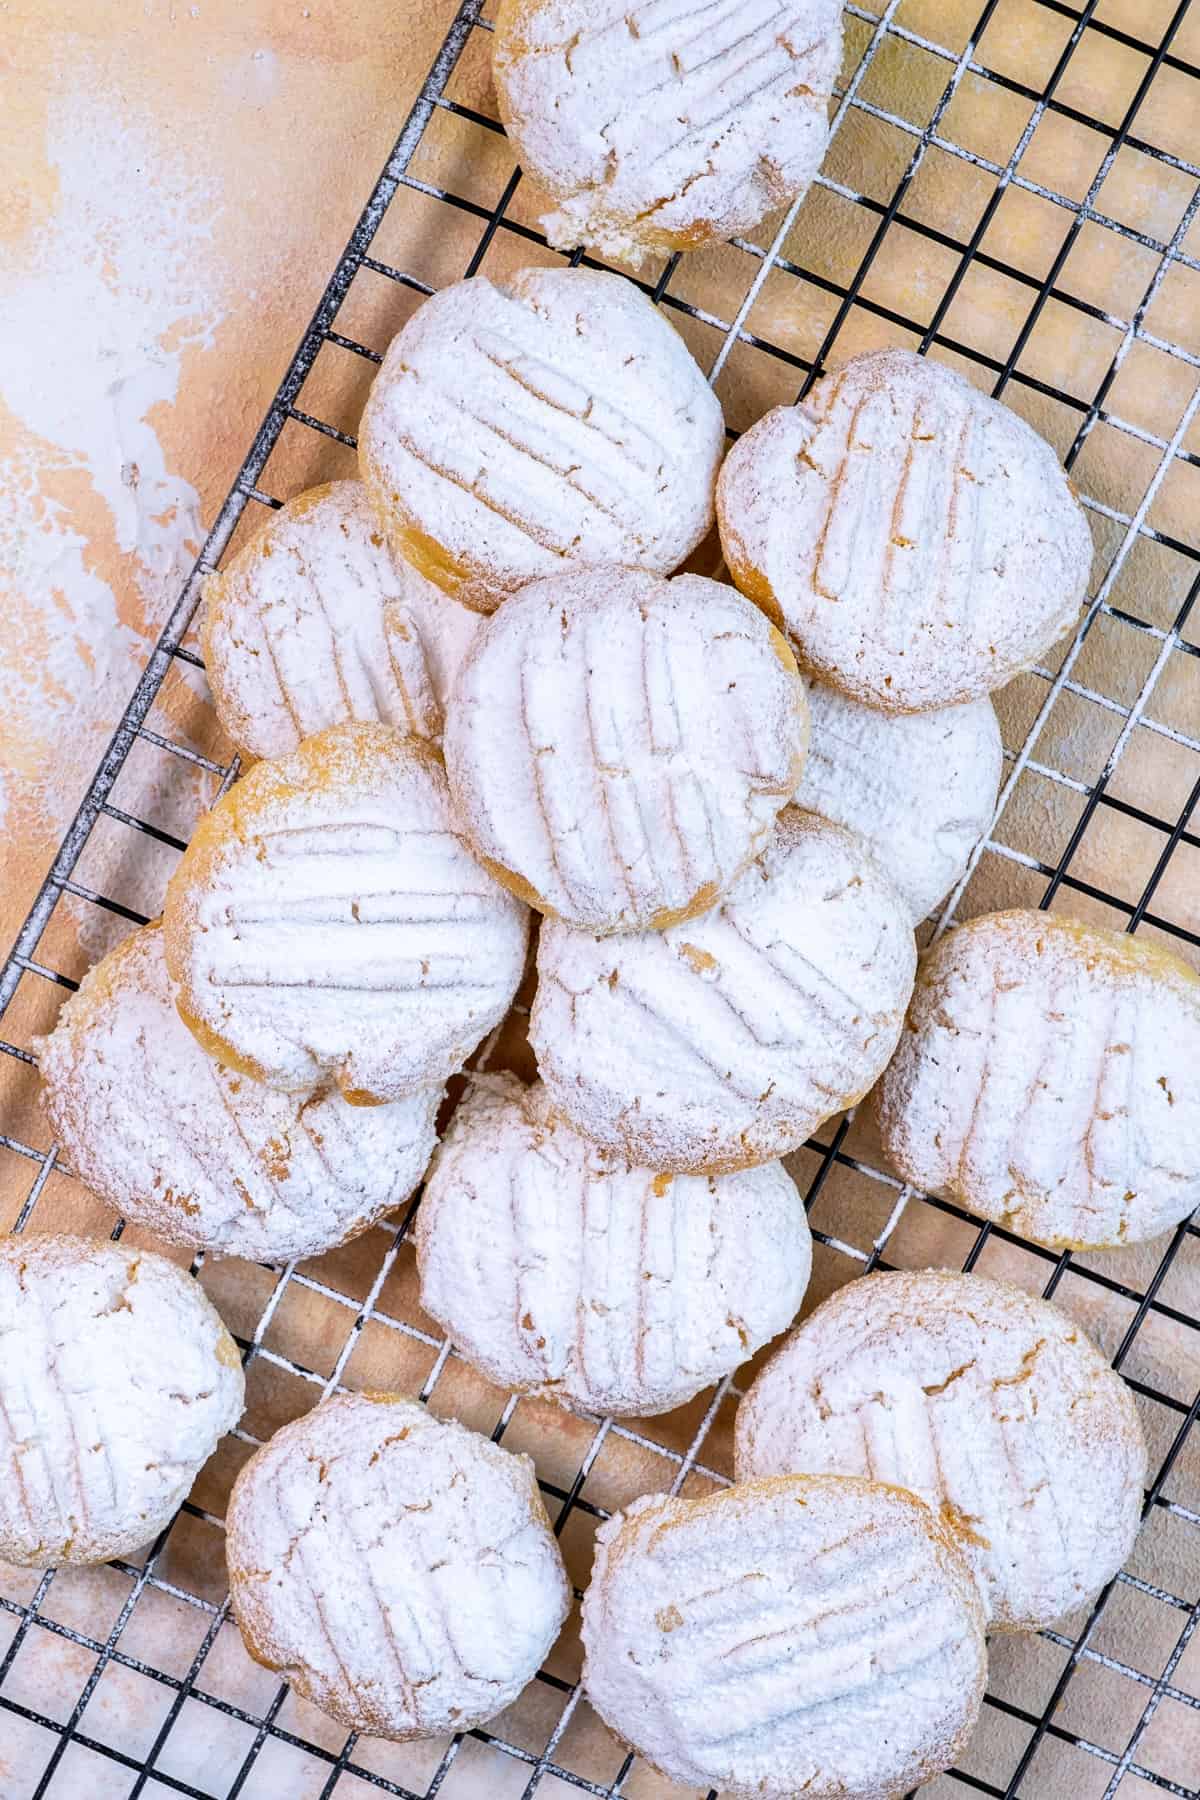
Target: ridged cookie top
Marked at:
316, 623
1045, 1078
554, 418
398, 1570
618, 745
918, 542
664, 125
205, 1156
989, 1404
117, 1378
724, 1041
561, 1270
328, 925
918, 788
807, 1635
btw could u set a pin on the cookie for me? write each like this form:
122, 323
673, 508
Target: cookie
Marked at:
522, 427
328, 926
918, 788
725, 1041
989, 1404
117, 1380
201, 1155
618, 745
560, 1270
316, 623
1045, 1078
917, 541
662, 127
807, 1635
399, 1571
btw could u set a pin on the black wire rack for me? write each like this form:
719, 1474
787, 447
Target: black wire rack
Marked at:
201, 1723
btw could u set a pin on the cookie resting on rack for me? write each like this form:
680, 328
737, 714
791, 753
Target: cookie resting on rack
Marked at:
524, 426
561, 1270
989, 1404
917, 541
202, 1155
328, 926
1046, 1079
618, 746
660, 127
399, 1571
725, 1041
810, 1635
117, 1380
316, 623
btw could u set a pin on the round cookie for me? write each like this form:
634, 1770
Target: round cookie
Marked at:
918, 788
316, 623
661, 128
201, 1155
725, 1041
618, 745
560, 1270
808, 1635
521, 427
917, 541
397, 1570
117, 1380
1045, 1078
327, 925
990, 1405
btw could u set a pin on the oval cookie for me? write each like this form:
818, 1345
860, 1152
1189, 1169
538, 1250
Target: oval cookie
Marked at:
618, 746
561, 1270
1045, 1078
327, 925
756, 1641
725, 1041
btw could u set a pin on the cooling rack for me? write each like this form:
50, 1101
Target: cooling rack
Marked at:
1095, 814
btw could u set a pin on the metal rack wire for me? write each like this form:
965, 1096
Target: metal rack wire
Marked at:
545, 1756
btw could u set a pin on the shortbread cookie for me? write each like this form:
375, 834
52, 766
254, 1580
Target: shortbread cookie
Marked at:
725, 1041
399, 1571
552, 419
807, 1635
561, 1270
1046, 1078
327, 925
117, 1379
918, 542
201, 1155
660, 127
989, 1404
920, 788
618, 745
316, 623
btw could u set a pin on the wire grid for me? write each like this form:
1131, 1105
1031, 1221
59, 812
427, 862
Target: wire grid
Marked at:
680, 1465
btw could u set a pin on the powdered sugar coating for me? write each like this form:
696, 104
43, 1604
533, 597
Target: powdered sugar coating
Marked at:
757, 1641
662, 126
316, 623
398, 1570
989, 1404
328, 925
726, 1040
117, 1378
549, 420
919, 788
561, 1270
618, 745
1045, 1078
201, 1155
918, 542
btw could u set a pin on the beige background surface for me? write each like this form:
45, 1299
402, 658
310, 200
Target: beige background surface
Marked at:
189, 175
